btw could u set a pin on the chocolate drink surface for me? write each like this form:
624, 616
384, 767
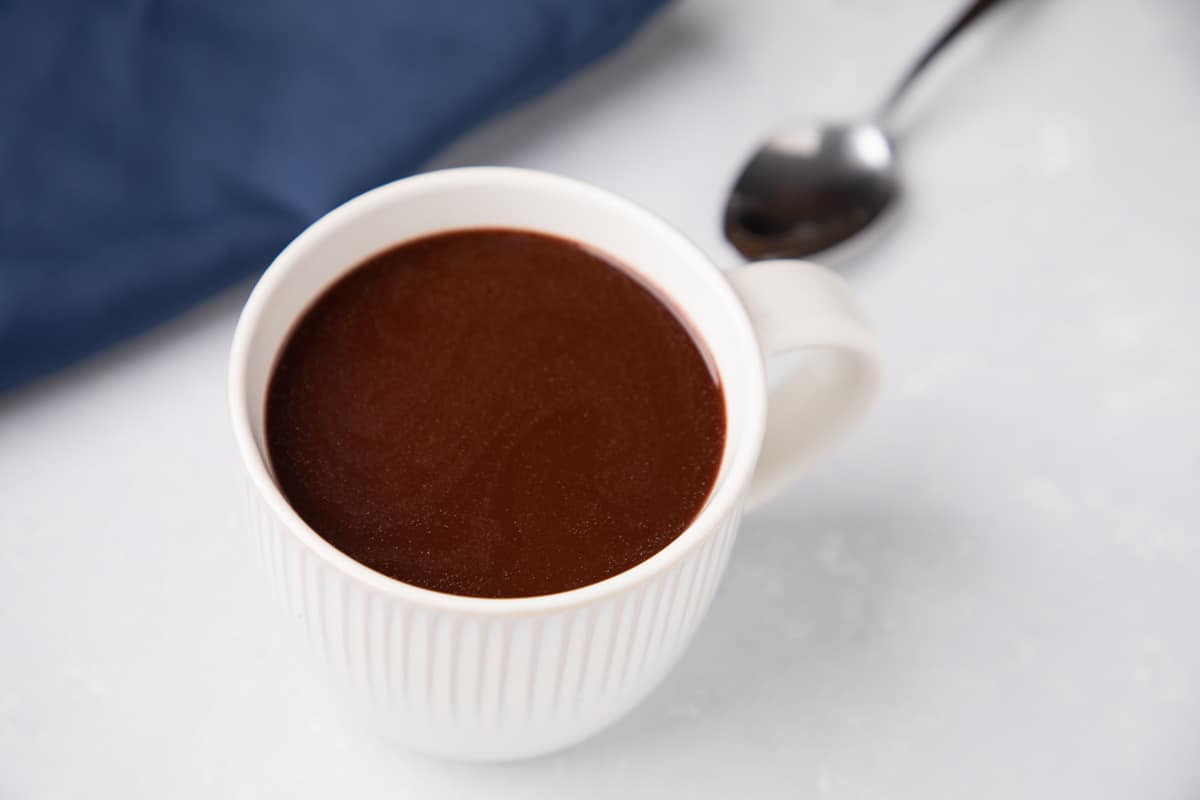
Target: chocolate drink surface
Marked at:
494, 413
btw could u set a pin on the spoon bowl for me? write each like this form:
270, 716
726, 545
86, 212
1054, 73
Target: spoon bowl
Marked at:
809, 188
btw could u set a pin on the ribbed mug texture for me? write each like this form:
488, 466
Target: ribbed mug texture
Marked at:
496, 685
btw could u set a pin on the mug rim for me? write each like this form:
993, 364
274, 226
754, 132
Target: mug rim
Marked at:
731, 481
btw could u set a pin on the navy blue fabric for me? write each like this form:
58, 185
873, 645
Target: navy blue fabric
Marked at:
153, 152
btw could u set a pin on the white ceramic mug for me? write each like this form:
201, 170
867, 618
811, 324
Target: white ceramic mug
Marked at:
488, 679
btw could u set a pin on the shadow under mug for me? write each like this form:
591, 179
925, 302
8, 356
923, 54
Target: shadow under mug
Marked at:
497, 679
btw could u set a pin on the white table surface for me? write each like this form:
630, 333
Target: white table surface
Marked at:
992, 591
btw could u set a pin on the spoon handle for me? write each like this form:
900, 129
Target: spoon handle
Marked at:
968, 15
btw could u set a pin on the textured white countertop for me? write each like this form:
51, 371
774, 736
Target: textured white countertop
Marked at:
992, 591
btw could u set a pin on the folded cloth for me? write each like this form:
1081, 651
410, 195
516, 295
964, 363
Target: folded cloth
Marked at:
153, 152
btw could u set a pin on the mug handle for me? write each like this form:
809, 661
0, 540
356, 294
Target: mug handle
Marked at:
796, 306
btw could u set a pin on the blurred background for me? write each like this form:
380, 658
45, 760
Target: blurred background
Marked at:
989, 592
